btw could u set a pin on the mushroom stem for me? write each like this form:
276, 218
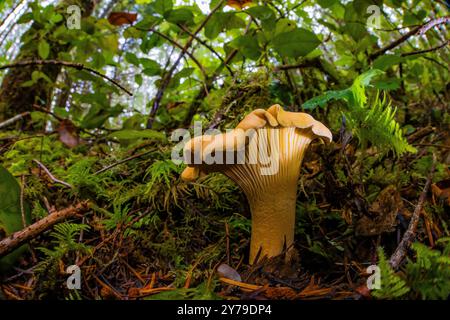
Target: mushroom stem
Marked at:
273, 222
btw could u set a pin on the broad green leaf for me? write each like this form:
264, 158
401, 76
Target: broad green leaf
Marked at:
221, 21
43, 49
385, 61
163, 6
285, 25
327, 3
265, 15
391, 84
248, 46
10, 214
214, 26
138, 79
131, 58
151, 67
181, 15
322, 100
295, 43
97, 116
109, 42
130, 134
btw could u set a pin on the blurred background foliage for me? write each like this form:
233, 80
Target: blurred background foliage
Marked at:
380, 83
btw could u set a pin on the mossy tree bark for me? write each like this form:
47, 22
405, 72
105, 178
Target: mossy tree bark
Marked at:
14, 98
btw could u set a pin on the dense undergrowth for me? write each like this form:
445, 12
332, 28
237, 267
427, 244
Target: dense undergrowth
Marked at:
145, 223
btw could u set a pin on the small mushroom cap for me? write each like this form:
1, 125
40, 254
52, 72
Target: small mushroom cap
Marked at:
190, 174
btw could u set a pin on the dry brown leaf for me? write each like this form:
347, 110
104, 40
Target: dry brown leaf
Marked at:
441, 190
121, 18
384, 212
68, 133
239, 4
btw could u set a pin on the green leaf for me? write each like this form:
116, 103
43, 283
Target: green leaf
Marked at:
385, 61
130, 134
295, 43
43, 49
327, 3
323, 99
391, 84
10, 214
182, 15
25, 18
151, 67
163, 6
221, 21
138, 79
131, 58
265, 15
213, 27
248, 46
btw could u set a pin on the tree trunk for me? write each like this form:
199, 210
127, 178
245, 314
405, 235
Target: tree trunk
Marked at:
14, 98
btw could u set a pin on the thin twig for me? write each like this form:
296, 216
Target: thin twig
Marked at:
176, 44
44, 110
51, 176
395, 43
426, 50
75, 65
122, 161
22, 206
400, 253
20, 237
13, 119
433, 23
420, 29
206, 45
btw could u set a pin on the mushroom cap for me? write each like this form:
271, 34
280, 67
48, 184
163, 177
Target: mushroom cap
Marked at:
198, 148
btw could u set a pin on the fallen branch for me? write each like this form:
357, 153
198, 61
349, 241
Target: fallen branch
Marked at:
18, 238
400, 253
75, 65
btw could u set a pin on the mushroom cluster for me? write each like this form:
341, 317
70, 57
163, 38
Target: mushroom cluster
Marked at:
262, 155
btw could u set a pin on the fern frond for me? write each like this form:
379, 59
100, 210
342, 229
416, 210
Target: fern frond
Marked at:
376, 124
392, 285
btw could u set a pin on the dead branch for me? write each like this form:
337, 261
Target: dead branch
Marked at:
400, 253
75, 65
13, 119
20, 237
433, 23
426, 50
395, 43
420, 29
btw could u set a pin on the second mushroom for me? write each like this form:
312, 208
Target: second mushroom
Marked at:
262, 155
